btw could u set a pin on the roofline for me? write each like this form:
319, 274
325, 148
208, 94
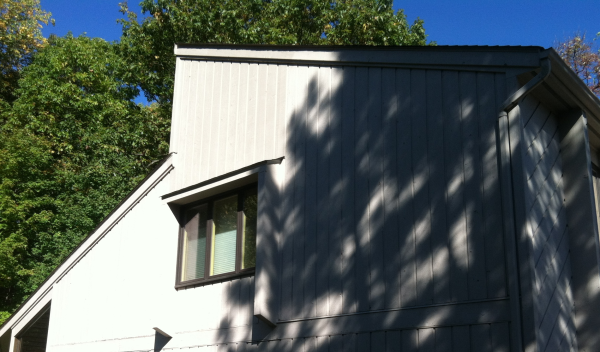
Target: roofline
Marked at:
140, 191
396, 56
576, 94
358, 47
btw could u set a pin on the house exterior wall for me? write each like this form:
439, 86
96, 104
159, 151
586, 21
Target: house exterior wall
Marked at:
548, 228
390, 197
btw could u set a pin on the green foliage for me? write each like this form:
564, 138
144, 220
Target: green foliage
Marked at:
73, 146
148, 46
20, 37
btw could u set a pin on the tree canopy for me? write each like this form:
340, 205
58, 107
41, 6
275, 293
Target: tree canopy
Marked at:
20, 37
580, 53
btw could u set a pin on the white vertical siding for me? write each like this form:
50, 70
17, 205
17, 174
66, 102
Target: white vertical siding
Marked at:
228, 115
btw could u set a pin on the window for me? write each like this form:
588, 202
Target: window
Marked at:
218, 237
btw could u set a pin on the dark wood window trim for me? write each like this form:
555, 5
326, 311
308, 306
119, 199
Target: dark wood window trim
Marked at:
209, 279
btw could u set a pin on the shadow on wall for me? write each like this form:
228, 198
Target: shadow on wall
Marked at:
391, 201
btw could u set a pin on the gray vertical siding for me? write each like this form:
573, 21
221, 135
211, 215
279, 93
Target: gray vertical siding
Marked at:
548, 228
391, 179
392, 191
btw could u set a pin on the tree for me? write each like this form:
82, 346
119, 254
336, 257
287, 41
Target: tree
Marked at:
582, 57
20, 37
148, 46
73, 145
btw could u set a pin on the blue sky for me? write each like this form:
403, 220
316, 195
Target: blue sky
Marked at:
458, 22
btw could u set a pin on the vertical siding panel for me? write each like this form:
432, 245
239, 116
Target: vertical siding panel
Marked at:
223, 130
244, 88
218, 111
200, 117
190, 121
393, 341
289, 206
472, 178
297, 344
179, 98
390, 256
378, 341
267, 78
408, 273
238, 310
251, 117
336, 343
234, 303
232, 119
348, 161
492, 208
443, 339
420, 168
209, 119
281, 114
461, 339
246, 304
322, 191
455, 188
350, 343
363, 342
437, 194
187, 122
376, 211
426, 340
336, 187
410, 340
310, 210
500, 336
361, 188
300, 269
480, 338
322, 343
310, 344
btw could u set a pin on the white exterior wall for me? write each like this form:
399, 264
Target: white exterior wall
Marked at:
124, 287
226, 116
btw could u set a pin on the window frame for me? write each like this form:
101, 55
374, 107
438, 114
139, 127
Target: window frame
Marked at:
209, 201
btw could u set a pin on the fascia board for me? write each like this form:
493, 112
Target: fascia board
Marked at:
474, 57
86, 245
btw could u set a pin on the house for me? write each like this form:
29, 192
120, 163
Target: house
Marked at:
347, 199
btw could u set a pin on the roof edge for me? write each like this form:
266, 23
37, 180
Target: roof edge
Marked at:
482, 56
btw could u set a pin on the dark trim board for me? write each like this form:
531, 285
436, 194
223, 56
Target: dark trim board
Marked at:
221, 177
